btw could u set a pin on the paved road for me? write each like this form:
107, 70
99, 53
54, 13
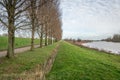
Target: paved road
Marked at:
18, 50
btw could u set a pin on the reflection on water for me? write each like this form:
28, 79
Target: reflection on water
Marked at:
106, 46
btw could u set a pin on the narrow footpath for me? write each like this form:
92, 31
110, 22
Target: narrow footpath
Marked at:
17, 50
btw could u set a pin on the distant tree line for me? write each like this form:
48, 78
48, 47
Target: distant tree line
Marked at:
38, 16
73, 40
78, 40
115, 38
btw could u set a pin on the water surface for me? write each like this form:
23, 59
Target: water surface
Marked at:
111, 47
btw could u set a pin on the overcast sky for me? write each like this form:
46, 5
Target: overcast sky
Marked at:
90, 19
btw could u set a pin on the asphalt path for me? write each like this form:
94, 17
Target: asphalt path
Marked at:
17, 50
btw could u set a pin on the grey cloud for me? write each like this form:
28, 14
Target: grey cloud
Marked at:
86, 17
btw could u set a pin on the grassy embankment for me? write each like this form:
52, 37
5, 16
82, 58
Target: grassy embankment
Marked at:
19, 42
78, 63
24, 62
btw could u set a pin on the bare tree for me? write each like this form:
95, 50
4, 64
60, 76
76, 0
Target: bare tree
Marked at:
35, 5
11, 12
42, 15
52, 18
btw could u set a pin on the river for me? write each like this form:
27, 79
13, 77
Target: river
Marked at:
111, 47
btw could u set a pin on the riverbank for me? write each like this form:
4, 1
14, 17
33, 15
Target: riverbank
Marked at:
80, 63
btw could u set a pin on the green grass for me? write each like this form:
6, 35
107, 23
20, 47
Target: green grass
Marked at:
78, 63
25, 61
19, 42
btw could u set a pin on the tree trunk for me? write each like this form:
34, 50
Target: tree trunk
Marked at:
46, 41
51, 39
33, 17
10, 51
13, 42
41, 37
32, 39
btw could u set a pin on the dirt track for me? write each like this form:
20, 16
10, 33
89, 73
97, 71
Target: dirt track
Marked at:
18, 50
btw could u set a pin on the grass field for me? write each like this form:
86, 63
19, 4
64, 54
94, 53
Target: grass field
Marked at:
19, 42
78, 63
25, 61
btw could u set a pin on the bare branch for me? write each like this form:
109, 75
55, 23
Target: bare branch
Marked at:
3, 23
1, 3
19, 27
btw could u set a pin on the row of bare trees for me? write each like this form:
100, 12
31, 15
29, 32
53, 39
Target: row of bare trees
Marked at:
39, 16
